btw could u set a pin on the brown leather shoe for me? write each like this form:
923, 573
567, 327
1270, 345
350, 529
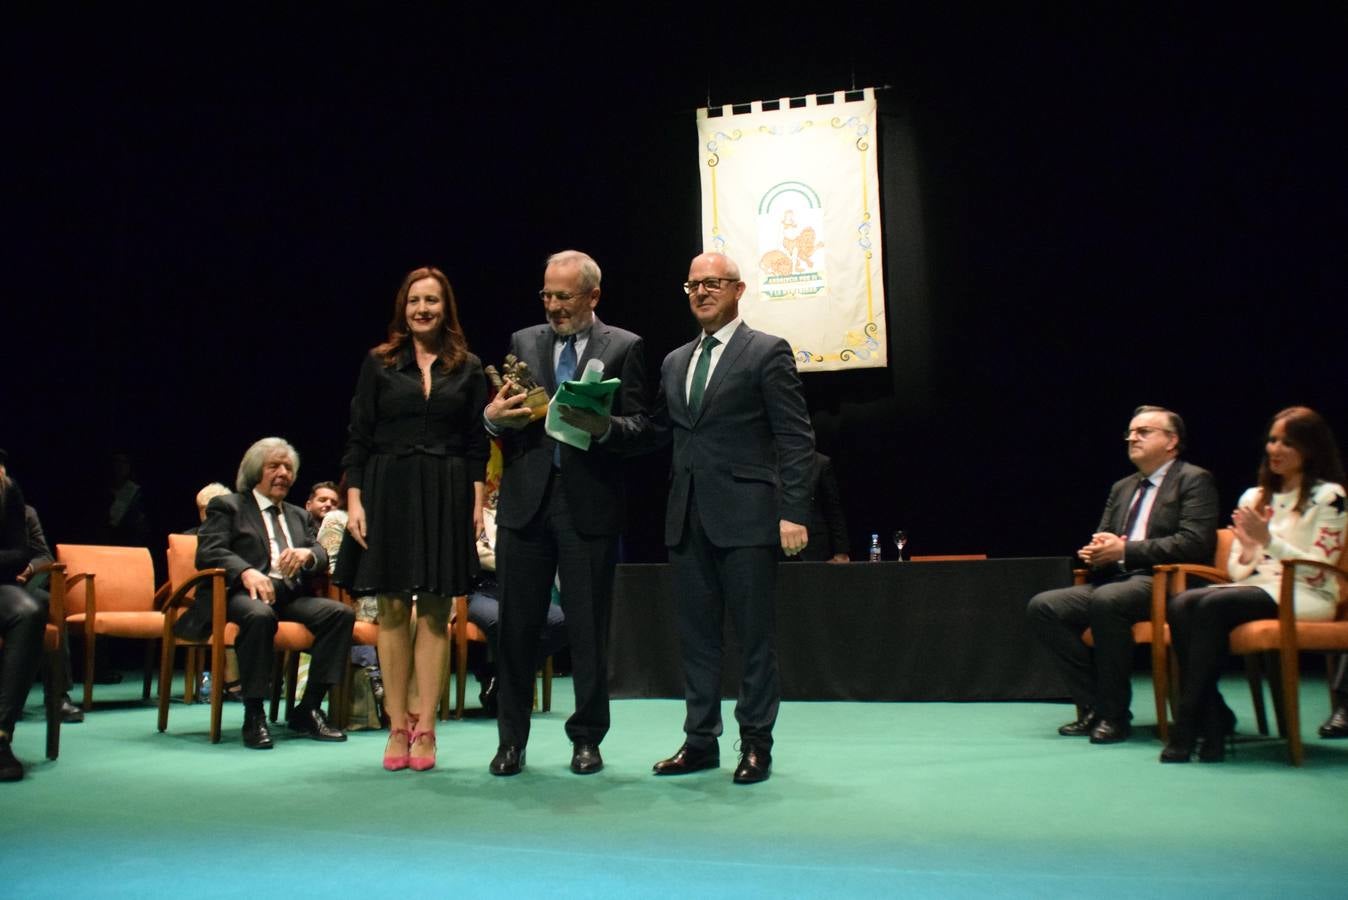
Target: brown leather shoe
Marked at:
690, 759
755, 765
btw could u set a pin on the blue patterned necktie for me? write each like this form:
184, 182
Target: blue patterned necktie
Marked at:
566, 371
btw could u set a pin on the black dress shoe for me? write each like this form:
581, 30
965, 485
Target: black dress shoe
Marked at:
255, 733
1180, 747
70, 713
1107, 731
1212, 749
1336, 726
488, 698
1081, 727
690, 759
10, 768
313, 723
755, 765
507, 761
585, 759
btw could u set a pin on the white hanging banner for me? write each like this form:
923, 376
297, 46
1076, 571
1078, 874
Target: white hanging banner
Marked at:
792, 196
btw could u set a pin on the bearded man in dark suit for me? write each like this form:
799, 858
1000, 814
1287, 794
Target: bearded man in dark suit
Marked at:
561, 510
739, 490
266, 547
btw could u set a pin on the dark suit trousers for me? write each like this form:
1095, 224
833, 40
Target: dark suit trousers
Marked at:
526, 560
329, 621
708, 580
1200, 628
484, 611
1100, 681
1338, 678
64, 677
22, 621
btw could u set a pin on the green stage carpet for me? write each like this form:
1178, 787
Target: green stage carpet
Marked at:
866, 800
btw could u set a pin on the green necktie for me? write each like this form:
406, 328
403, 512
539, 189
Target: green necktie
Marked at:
700, 374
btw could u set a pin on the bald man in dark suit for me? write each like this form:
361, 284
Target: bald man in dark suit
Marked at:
739, 490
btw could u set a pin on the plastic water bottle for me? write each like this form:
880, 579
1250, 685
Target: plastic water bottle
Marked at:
875, 548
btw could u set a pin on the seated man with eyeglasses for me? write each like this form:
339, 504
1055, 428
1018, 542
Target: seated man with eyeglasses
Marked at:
1167, 513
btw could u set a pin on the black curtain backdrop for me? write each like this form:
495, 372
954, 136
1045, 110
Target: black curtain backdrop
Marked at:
1084, 210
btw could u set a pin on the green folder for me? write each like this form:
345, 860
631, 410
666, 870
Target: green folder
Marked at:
591, 393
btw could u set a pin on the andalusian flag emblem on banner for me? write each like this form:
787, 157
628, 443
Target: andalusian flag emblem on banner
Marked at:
790, 192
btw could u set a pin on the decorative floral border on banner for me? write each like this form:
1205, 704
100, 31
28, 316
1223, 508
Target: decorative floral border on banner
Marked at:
787, 191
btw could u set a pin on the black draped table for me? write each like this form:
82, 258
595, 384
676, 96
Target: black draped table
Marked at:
862, 631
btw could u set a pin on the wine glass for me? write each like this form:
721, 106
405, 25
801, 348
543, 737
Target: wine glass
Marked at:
900, 539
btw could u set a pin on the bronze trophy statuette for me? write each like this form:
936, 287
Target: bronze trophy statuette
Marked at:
535, 398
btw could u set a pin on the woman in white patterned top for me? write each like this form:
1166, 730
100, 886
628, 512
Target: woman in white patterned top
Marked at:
1297, 511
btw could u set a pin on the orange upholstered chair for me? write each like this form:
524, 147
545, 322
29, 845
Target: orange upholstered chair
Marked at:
119, 599
1284, 637
1164, 667
184, 579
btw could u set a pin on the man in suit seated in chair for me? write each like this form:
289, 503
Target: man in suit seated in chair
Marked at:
1166, 513
266, 547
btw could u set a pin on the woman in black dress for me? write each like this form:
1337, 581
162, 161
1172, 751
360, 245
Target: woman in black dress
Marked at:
415, 466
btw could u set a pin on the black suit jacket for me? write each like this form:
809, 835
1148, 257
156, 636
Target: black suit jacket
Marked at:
234, 538
593, 478
1183, 523
749, 450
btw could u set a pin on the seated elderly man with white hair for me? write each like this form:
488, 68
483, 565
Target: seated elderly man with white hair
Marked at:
267, 547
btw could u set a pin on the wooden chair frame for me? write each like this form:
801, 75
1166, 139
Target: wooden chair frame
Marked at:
1286, 640
461, 631
184, 595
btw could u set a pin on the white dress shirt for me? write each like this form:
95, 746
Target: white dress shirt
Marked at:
265, 503
1139, 531
723, 335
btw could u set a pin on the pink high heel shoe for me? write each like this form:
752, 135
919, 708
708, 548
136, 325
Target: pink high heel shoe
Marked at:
395, 762
421, 763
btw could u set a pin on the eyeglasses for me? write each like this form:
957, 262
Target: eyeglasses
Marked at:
1144, 432
559, 296
710, 285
